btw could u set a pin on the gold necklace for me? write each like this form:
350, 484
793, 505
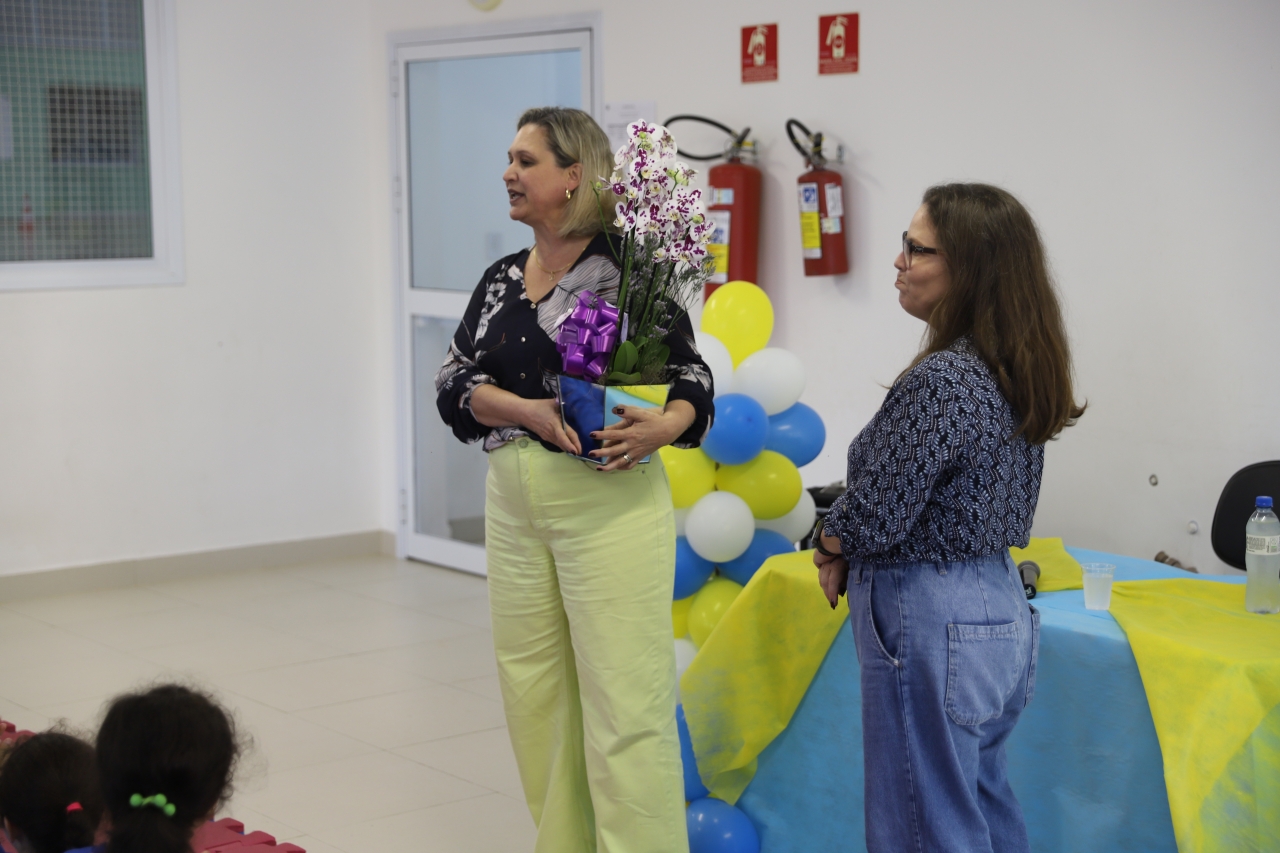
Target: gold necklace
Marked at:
552, 273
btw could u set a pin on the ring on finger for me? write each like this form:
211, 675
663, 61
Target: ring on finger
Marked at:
627, 457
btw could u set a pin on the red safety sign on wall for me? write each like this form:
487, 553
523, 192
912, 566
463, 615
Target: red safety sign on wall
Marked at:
838, 44
760, 53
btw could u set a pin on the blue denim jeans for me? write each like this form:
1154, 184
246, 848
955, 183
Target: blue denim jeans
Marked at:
948, 659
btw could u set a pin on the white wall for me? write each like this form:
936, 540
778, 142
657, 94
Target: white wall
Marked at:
1142, 135
254, 404
250, 404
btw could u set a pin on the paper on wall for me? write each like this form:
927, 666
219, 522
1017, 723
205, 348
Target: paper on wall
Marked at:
619, 114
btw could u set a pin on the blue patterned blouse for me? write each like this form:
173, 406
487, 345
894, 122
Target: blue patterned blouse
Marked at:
934, 475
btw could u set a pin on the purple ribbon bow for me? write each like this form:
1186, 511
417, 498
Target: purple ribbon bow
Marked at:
587, 337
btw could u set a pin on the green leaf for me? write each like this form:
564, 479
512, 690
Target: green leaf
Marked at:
653, 354
619, 378
624, 360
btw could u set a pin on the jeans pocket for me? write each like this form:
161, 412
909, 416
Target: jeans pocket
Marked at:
873, 637
1035, 655
983, 669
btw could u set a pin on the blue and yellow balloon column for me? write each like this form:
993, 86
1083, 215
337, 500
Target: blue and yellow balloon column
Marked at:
739, 501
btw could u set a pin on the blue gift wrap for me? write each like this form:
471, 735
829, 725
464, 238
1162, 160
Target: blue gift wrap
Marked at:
586, 408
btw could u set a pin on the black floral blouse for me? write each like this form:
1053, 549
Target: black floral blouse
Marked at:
506, 340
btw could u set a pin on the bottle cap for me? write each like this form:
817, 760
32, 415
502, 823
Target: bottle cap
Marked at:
1263, 501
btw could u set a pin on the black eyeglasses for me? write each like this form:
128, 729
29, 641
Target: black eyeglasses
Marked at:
910, 248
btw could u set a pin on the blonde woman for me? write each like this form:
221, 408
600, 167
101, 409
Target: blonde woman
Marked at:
580, 555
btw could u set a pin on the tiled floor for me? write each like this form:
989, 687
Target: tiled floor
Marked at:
367, 686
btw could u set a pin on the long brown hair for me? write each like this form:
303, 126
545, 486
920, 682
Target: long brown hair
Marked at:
1002, 297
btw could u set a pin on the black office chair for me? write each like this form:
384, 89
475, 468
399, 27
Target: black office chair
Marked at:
1236, 505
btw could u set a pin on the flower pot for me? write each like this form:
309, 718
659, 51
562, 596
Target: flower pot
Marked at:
586, 408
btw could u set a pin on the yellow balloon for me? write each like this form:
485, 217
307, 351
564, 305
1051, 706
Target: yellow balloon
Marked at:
709, 605
769, 483
680, 616
692, 474
741, 316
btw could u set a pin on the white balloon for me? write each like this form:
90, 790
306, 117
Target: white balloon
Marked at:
682, 516
717, 357
797, 523
774, 377
685, 651
720, 527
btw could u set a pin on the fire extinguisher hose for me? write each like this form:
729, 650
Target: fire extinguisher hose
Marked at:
730, 149
812, 154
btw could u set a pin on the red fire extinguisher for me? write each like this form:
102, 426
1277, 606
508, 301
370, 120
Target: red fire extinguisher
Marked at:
733, 205
822, 213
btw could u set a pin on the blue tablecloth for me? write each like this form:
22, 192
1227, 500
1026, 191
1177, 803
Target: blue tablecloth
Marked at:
1084, 759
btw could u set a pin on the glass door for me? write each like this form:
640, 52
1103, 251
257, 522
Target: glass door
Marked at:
457, 97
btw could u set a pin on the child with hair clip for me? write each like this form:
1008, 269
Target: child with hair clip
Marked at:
166, 758
49, 796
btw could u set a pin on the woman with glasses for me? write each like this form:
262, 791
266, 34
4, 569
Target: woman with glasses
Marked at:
941, 482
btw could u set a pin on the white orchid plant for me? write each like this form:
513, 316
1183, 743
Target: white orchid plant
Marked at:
664, 257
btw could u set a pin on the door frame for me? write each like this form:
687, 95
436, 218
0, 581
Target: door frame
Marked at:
438, 303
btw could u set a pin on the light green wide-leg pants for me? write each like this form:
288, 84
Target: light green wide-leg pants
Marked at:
581, 572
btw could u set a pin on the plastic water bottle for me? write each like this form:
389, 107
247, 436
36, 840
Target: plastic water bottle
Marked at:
1262, 559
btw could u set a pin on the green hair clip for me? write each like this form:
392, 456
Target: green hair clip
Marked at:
158, 800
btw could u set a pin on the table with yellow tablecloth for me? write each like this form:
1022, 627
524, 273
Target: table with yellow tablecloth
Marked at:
773, 707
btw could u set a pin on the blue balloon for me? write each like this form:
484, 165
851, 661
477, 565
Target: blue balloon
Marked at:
693, 787
692, 571
717, 827
764, 544
738, 433
797, 433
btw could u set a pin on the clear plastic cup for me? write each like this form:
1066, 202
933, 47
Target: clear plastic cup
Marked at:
1097, 585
